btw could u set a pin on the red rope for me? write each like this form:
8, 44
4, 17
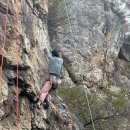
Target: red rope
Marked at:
17, 52
5, 33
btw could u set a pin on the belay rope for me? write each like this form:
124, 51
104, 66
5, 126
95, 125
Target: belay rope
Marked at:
72, 35
86, 93
17, 51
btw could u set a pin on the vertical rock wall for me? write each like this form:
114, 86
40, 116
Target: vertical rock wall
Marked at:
93, 34
32, 34
32, 38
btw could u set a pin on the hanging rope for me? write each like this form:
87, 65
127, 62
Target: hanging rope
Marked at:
4, 40
88, 102
17, 59
17, 51
86, 94
90, 109
2, 58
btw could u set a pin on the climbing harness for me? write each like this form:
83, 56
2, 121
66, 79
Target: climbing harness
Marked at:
4, 40
88, 102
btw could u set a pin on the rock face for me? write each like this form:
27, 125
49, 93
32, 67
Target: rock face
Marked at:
30, 32
92, 35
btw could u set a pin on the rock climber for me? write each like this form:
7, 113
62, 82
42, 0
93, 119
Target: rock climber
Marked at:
55, 67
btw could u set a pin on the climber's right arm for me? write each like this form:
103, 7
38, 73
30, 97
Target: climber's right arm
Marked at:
48, 53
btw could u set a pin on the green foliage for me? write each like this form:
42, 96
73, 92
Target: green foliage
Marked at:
118, 100
110, 102
76, 100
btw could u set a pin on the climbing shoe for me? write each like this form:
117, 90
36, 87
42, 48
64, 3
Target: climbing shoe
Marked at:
37, 106
46, 105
